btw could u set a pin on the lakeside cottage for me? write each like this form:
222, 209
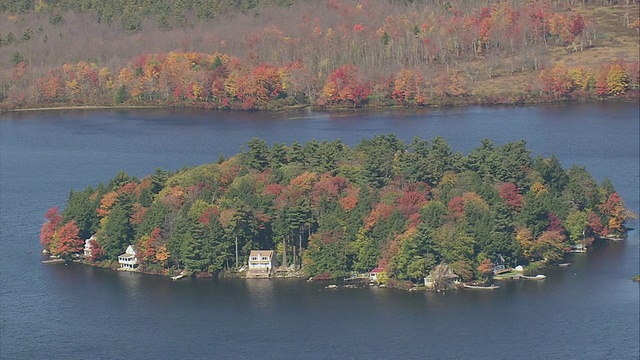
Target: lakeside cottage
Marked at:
128, 260
87, 247
441, 277
498, 265
261, 263
578, 248
373, 274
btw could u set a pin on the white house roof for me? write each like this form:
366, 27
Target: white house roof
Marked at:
129, 253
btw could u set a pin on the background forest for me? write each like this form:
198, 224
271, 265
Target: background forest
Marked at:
265, 54
331, 210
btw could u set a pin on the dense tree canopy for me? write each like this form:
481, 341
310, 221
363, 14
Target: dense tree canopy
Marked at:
405, 207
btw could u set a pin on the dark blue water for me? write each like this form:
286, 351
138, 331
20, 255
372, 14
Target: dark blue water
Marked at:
589, 310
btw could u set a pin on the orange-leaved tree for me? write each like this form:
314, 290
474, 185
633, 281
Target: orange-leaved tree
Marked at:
486, 269
48, 230
68, 242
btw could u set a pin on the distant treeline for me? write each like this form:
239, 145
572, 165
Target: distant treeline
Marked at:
332, 209
130, 15
168, 13
275, 54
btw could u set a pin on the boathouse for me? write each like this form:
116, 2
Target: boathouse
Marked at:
373, 274
128, 260
578, 248
261, 263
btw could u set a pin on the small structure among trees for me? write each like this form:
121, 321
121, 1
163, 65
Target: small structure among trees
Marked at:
499, 266
128, 260
374, 274
87, 251
441, 277
261, 263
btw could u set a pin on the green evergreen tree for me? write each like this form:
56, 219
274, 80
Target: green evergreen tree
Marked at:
121, 95
257, 155
277, 156
554, 176
296, 153
82, 209
158, 180
118, 232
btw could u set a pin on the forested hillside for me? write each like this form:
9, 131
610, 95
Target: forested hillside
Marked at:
266, 54
333, 209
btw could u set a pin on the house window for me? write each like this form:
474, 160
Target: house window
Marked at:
265, 258
254, 258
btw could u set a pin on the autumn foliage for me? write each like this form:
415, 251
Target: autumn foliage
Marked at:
48, 230
334, 216
328, 54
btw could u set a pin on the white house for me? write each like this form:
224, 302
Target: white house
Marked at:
128, 260
261, 262
87, 247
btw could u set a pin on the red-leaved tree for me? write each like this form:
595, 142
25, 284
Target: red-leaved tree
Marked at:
48, 230
97, 252
68, 241
511, 196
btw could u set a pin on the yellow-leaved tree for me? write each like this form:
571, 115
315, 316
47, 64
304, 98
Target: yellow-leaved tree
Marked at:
163, 255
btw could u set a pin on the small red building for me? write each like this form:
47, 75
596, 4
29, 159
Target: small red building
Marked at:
373, 274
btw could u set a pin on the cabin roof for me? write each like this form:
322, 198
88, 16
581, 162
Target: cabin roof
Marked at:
129, 253
259, 253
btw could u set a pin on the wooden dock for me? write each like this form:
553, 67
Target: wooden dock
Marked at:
53, 261
518, 276
537, 277
506, 276
475, 287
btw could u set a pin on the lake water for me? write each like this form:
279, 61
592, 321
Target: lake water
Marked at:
589, 310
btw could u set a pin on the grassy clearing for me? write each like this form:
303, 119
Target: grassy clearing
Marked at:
614, 39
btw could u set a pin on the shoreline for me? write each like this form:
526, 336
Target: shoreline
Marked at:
630, 97
362, 281
81, 107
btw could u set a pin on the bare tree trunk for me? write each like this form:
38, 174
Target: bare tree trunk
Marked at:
294, 255
236, 252
284, 251
300, 247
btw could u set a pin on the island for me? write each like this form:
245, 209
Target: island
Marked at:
398, 213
